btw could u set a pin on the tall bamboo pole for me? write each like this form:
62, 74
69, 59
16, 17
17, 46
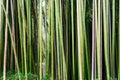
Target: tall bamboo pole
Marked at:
1, 34
119, 42
40, 40
6, 43
93, 43
79, 27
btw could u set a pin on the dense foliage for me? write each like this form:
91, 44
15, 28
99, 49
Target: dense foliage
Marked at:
60, 39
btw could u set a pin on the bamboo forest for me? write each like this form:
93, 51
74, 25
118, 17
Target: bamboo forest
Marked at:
59, 39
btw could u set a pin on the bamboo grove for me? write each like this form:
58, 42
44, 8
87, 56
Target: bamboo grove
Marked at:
59, 39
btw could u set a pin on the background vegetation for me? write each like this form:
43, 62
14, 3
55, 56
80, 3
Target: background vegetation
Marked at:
60, 39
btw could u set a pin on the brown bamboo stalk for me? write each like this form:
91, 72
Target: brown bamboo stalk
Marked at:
93, 43
5, 47
55, 55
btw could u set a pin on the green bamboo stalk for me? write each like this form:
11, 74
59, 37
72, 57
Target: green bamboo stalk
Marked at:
64, 69
24, 25
113, 40
29, 47
66, 31
72, 20
79, 27
83, 38
85, 45
82, 30
21, 33
48, 37
98, 31
13, 33
40, 40
119, 42
106, 38
66, 7
24, 48
62, 72
1, 33
57, 39
52, 39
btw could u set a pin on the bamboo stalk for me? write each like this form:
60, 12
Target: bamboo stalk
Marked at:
64, 69
72, 20
99, 41
6, 43
79, 25
13, 33
57, 39
1, 33
52, 39
24, 25
113, 40
93, 43
48, 37
20, 32
66, 32
106, 37
119, 41
40, 40
28, 6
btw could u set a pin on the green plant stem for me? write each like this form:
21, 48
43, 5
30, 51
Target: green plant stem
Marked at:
28, 6
40, 40
57, 39
98, 29
106, 38
72, 16
1, 33
119, 42
113, 40
79, 27
52, 39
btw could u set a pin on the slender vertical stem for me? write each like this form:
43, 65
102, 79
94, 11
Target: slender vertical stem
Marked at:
57, 39
1, 33
28, 7
66, 30
72, 20
106, 37
6, 43
79, 27
48, 37
93, 42
24, 38
20, 32
99, 41
119, 42
113, 40
52, 40
13, 33
40, 39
